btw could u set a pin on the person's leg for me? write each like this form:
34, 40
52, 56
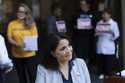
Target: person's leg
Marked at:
2, 76
101, 61
31, 66
109, 64
85, 49
77, 47
92, 50
20, 68
81, 46
101, 69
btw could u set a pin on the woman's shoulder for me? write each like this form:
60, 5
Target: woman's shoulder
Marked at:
79, 61
1, 37
51, 18
42, 71
15, 21
41, 68
2, 41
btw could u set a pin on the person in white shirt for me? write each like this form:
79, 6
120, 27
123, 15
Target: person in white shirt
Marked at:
83, 26
107, 33
5, 63
59, 65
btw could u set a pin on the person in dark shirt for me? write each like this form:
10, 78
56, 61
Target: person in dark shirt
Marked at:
56, 22
83, 32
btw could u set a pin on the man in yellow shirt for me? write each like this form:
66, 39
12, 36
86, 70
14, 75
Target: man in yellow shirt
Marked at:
24, 60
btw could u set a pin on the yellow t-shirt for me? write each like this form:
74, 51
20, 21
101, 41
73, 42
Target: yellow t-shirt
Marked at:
17, 31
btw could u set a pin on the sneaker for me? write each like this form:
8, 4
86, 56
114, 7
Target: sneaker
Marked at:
101, 76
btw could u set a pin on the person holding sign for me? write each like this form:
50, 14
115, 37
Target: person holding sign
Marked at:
22, 35
56, 23
83, 34
107, 32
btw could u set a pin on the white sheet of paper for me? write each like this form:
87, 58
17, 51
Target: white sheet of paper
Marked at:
61, 27
30, 43
84, 23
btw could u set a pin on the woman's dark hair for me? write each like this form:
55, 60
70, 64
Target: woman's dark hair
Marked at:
48, 60
107, 10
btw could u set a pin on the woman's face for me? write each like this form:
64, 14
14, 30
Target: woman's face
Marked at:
84, 7
21, 13
58, 12
106, 16
63, 51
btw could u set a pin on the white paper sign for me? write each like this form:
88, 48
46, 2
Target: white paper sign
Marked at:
84, 23
61, 26
103, 27
30, 43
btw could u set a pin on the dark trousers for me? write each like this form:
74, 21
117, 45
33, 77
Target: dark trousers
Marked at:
106, 63
26, 69
2, 76
84, 47
3, 68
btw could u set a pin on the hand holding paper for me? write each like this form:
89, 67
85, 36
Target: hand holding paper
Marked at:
30, 43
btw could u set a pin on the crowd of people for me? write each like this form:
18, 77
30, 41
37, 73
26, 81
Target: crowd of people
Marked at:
67, 58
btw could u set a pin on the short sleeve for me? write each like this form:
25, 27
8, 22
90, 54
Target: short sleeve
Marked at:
9, 30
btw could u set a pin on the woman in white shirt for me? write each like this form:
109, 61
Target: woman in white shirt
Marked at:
107, 32
59, 64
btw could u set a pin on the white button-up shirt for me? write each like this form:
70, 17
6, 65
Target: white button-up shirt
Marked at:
4, 59
107, 33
